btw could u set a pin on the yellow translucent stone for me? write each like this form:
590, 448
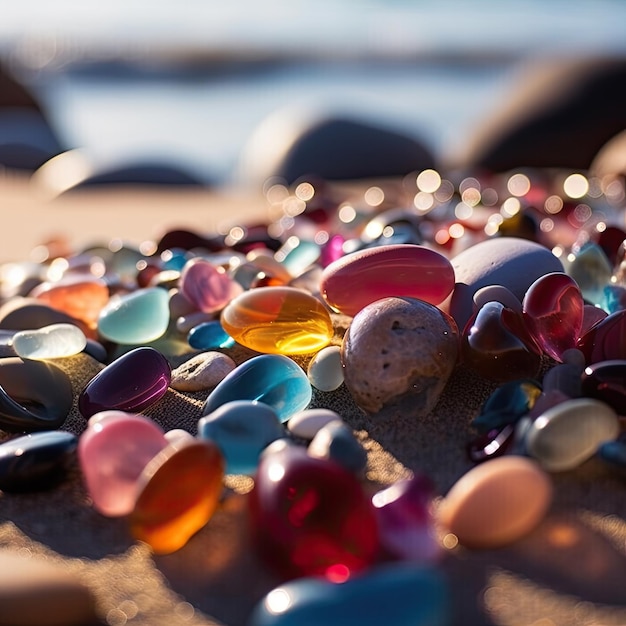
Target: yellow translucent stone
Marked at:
278, 320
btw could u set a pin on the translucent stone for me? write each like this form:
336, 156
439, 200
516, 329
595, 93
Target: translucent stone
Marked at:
496, 344
360, 278
133, 382
614, 298
50, 342
606, 340
297, 258
606, 381
113, 452
37, 461
278, 320
336, 442
491, 444
178, 492
591, 316
209, 287
209, 336
325, 371
592, 270
137, 317
273, 379
405, 520
241, 429
306, 423
553, 313
310, 516
565, 436
332, 250
413, 596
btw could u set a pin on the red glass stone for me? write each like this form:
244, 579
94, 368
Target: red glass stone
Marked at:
311, 516
553, 313
606, 340
591, 316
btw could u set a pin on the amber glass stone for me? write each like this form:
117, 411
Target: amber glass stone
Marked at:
178, 493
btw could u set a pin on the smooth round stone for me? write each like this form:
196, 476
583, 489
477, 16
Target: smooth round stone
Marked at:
566, 435
113, 452
278, 320
178, 433
37, 461
398, 354
336, 442
297, 259
202, 371
606, 381
273, 379
564, 378
305, 424
496, 503
606, 340
325, 371
133, 382
592, 271
491, 444
510, 262
241, 429
50, 342
497, 293
178, 492
209, 336
413, 596
359, 278
138, 317
310, 516
208, 286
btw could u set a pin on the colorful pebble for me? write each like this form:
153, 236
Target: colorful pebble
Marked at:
207, 286
50, 342
209, 335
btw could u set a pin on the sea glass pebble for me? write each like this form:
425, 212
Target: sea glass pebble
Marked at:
178, 492
606, 381
202, 371
273, 379
497, 502
310, 516
209, 335
36, 461
132, 382
137, 317
336, 442
209, 287
568, 434
241, 429
591, 269
325, 370
113, 452
278, 320
413, 596
306, 423
359, 278
50, 342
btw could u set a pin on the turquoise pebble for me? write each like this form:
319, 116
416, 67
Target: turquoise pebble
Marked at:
336, 442
138, 317
299, 256
209, 336
49, 342
242, 429
591, 269
273, 379
325, 370
397, 595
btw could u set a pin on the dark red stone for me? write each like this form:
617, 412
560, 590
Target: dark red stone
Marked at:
606, 381
606, 340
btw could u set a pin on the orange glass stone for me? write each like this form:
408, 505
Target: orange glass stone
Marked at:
278, 320
178, 493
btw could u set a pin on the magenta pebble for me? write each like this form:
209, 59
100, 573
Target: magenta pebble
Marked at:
208, 287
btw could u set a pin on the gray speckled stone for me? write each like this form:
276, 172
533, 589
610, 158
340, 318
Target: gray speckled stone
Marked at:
398, 353
203, 371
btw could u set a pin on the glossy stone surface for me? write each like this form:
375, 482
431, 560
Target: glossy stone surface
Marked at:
491, 444
305, 424
202, 371
606, 381
113, 452
359, 278
413, 596
37, 461
496, 503
297, 258
311, 517
606, 340
278, 320
496, 344
592, 270
209, 335
50, 342
591, 316
553, 313
496, 293
131, 383
325, 371
273, 379
207, 286
178, 492
336, 442
34, 395
242, 429
565, 436
398, 354
137, 317
613, 298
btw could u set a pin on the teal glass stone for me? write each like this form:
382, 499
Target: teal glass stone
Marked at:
242, 429
174, 259
138, 317
614, 298
297, 258
273, 379
397, 594
592, 270
209, 336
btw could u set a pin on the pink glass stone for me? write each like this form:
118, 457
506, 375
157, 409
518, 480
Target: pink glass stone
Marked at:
553, 313
591, 316
208, 287
606, 340
311, 516
359, 278
112, 453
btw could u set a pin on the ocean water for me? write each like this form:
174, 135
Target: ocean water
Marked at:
190, 81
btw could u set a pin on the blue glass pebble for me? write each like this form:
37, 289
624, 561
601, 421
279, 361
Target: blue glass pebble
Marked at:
613, 453
209, 336
242, 429
273, 379
397, 594
301, 256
